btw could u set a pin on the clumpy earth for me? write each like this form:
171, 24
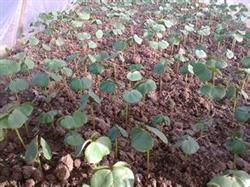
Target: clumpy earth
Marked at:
179, 99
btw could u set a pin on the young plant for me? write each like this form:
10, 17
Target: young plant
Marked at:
188, 145
160, 69
37, 149
233, 178
114, 133
48, 117
72, 123
142, 140
236, 144
15, 118
131, 97
118, 175
17, 86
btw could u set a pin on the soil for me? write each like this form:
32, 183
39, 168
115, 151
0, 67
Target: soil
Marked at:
179, 99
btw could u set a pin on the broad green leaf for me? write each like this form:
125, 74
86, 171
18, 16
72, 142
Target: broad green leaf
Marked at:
135, 67
232, 178
202, 72
96, 68
137, 39
160, 119
188, 144
200, 53
29, 64
158, 133
77, 24
25, 108
83, 36
80, 118
159, 68
231, 92
54, 64
245, 61
108, 86
48, 117
235, 146
33, 41
134, 76
16, 119
8, 67
242, 114
68, 122
18, 85
120, 175
154, 45
146, 87
92, 45
99, 34
218, 92
119, 45
46, 47
163, 44
97, 149
45, 149
80, 84
73, 138
41, 79
141, 140
31, 152
94, 97
132, 96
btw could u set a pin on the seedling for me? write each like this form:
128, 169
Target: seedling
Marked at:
48, 117
230, 178
143, 142
114, 133
188, 145
131, 97
160, 69
118, 175
15, 118
36, 149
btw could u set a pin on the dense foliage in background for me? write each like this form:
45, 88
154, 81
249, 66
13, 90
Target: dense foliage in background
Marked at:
129, 94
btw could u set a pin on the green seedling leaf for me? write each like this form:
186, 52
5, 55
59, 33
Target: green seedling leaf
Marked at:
163, 44
18, 85
235, 146
200, 127
242, 114
54, 64
135, 67
108, 86
16, 119
45, 149
67, 71
96, 68
200, 54
132, 96
33, 41
94, 97
84, 101
245, 61
186, 68
83, 36
137, 39
120, 175
48, 117
159, 68
8, 67
115, 131
31, 153
202, 72
97, 149
146, 87
154, 45
119, 45
188, 144
218, 92
80, 84
160, 119
41, 79
141, 140
231, 92
29, 64
229, 54
99, 34
92, 45
134, 76
232, 178
78, 119
73, 139
158, 133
